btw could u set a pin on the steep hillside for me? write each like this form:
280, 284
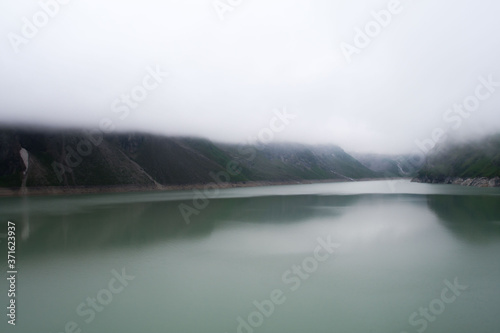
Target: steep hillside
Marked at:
472, 163
65, 158
388, 165
80, 158
295, 162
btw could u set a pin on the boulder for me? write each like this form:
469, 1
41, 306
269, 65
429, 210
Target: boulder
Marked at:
467, 182
494, 182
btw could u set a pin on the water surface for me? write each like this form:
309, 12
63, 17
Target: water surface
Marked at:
400, 243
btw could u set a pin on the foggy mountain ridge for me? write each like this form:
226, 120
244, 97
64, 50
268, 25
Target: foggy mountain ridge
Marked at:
468, 163
73, 157
78, 158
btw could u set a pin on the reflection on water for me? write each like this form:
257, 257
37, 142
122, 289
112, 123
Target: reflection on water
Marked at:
74, 224
83, 227
473, 218
399, 242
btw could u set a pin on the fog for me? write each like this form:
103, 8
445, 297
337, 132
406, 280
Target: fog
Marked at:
232, 64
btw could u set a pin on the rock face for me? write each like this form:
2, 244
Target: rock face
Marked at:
494, 182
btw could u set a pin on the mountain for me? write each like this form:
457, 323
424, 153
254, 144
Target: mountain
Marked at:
283, 162
74, 157
388, 165
475, 163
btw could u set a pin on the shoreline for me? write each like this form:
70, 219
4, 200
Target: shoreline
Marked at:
472, 182
74, 190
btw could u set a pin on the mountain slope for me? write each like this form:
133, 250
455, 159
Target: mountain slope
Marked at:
296, 162
65, 158
79, 158
464, 163
388, 165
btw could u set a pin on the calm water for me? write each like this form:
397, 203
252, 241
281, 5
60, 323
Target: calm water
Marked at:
259, 260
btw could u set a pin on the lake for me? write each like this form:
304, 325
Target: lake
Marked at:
378, 256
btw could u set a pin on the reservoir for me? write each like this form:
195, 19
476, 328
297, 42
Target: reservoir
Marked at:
375, 256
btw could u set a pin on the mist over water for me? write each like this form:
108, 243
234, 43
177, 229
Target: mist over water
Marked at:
399, 245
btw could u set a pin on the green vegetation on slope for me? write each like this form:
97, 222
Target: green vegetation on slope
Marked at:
467, 160
72, 158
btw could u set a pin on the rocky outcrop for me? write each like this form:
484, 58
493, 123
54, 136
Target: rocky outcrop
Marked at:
494, 182
477, 182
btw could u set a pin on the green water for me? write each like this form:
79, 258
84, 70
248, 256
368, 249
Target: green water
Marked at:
397, 248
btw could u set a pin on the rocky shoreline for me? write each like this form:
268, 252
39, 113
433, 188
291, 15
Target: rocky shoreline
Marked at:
477, 182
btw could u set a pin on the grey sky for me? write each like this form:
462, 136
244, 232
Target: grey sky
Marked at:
227, 76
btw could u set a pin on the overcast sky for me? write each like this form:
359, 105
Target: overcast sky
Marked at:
230, 68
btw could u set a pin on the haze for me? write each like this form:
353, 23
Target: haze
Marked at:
228, 76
